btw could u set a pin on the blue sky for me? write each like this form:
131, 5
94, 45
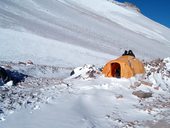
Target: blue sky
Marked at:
157, 10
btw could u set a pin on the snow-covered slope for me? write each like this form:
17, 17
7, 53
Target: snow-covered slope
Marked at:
17, 46
96, 25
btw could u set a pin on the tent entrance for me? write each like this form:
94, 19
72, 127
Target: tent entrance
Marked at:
116, 70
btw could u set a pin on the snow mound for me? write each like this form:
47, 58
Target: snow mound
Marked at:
85, 72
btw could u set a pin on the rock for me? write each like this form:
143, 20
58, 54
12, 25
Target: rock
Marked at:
29, 62
148, 74
8, 66
142, 94
162, 65
137, 84
4, 76
153, 70
91, 74
119, 96
146, 83
72, 73
22, 63
156, 88
1, 111
128, 4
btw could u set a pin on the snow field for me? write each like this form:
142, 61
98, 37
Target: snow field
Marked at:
87, 102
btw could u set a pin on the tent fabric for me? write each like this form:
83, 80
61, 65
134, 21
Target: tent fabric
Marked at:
124, 66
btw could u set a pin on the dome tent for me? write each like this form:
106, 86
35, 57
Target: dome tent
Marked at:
124, 66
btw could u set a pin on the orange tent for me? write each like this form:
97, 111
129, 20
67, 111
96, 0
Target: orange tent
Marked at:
124, 66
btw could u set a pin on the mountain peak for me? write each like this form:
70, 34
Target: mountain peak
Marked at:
127, 5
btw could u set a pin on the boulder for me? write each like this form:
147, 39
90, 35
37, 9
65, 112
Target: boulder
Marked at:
142, 94
146, 83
